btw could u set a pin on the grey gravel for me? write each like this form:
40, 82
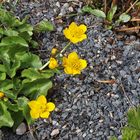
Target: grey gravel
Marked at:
87, 109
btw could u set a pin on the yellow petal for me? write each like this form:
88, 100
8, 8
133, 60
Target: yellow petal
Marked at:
45, 115
83, 63
54, 51
53, 63
73, 26
64, 61
74, 40
42, 100
33, 104
83, 37
50, 106
68, 70
76, 72
67, 33
34, 114
83, 28
73, 56
1, 94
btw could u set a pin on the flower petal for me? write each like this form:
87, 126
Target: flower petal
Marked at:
34, 114
74, 40
83, 63
42, 100
67, 33
83, 37
33, 104
50, 106
73, 56
64, 61
76, 72
68, 70
83, 28
73, 26
53, 63
45, 115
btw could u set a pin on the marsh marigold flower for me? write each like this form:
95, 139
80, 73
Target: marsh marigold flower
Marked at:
53, 63
40, 107
75, 33
73, 64
1, 95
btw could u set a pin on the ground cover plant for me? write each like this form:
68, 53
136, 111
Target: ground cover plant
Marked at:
24, 79
29, 80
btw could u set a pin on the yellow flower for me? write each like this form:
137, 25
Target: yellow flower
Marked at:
75, 33
73, 64
40, 107
54, 51
1, 95
53, 63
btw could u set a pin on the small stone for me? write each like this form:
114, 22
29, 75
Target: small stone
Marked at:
21, 129
55, 132
113, 57
71, 9
57, 4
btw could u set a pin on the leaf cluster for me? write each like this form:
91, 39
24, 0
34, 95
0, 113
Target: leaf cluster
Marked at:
132, 130
20, 77
115, 13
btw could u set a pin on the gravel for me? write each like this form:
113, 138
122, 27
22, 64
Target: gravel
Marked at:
86, 108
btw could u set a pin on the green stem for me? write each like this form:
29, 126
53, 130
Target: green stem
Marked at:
64, 49
46, 64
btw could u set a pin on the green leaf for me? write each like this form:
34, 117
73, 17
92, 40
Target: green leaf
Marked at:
34, 74
18, 118
124, 17
43, 26
2, 76
5, 117
13, 40
36, 87
6, 85
134, 118
12, 67
111, 12
26, 28
34, 44
12, 107
95, 12
30, 60
2, 68
10, 94
10, 32
129, 133
6, 17
113, 138
23, 106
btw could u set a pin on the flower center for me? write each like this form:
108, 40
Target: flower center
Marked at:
75, 65
77, 33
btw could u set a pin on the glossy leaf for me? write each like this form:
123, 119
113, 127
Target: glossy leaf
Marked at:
95, 12
111, 12
36, 87
5, 117
13, 40
124, 17
44, 26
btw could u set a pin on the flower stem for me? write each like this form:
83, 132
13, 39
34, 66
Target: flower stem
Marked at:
46, 64
64, 49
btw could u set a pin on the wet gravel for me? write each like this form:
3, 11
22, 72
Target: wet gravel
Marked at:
87, 108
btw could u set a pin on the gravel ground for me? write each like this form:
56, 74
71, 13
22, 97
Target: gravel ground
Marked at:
87, 109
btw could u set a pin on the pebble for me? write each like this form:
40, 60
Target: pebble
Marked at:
55, 132
21, 129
